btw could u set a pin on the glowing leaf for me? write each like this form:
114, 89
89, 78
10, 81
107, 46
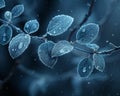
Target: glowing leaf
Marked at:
87, 33
59, 24
44, 53
2, 4
19, 44
99, 62
5, 34
17, 10
85, 68
61, 48
31, 26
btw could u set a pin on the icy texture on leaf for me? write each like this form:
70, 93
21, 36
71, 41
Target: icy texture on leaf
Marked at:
61, 48
2, 4
85, 68
8, 15
5, 34
59, 24
87, 33
99, 62
95, 47
17, 10
19, 44
31, 26
44, 53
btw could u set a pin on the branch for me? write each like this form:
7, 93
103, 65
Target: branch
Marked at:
83, 21
110, 51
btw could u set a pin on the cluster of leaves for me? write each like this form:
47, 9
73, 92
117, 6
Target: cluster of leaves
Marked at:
49, 52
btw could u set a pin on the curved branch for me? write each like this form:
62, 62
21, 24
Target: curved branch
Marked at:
84, 20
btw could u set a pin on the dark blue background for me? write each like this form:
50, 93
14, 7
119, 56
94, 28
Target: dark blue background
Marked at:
32, 78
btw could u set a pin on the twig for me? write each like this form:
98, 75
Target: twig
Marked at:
110, 51
83, 21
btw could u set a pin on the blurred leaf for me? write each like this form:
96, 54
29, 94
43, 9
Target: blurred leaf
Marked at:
85, 67
5, 34
44, 53
61, 48
2, 4
17, 10
59, 24
19, 44
31, 26
99, 62
87, 33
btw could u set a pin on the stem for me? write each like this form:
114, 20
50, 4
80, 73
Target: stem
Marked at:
82, 50
18, 30
13, 26
84, 20
110, 51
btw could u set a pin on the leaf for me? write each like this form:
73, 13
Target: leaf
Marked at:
61, 48
8, 15
59, 24
31, 26
85, 68
44, 54
99, 62
2, 4
5, 34
87, 33
17, 10
19, 44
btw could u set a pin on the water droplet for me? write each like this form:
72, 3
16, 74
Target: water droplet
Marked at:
113, 34
4, 39
84, 70
20, 45
83, 30
54, 32
62, 51
107, 41
13, 50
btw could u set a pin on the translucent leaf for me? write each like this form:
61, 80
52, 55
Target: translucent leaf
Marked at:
5, 34
99, 62
87, 33
8, 15
59, 24
85, 68
19, 44
95, 47
61, 48
44, 53
17, 10
2, 4
31, 26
